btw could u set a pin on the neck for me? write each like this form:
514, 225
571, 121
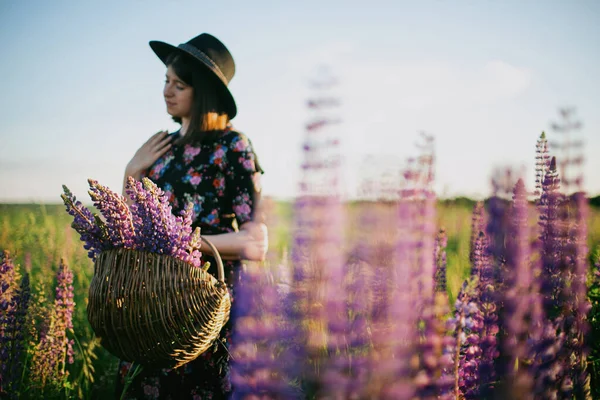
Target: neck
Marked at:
185, 123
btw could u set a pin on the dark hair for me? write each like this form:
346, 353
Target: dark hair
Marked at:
209, 117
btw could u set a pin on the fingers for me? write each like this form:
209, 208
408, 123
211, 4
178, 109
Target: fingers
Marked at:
163, 150
156, 137
158, 144
162, 144
155, 147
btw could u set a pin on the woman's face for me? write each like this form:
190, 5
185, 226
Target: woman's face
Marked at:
178, 95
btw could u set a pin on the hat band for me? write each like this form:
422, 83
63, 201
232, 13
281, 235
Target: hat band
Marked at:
205, 59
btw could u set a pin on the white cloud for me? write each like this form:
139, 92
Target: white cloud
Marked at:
421, 85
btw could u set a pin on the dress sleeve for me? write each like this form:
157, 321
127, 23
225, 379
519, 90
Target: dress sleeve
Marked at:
242, 178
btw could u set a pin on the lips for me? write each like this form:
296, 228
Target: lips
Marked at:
169, 103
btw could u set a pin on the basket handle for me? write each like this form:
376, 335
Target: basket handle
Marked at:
217, 257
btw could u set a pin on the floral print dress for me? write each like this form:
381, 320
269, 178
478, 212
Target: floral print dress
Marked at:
220, 178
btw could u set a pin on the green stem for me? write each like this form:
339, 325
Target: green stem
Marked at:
134, 371
83, 355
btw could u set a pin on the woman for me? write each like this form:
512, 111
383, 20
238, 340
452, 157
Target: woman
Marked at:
213, 166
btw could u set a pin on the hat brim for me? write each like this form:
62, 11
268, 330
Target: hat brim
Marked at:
163, 50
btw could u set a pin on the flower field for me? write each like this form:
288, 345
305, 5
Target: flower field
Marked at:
39, 236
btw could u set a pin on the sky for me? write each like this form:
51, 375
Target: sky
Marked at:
82, 90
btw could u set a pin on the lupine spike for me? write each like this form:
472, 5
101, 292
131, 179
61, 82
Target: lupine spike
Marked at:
55, 350
477, 226
86, 224
441, 242
119, 221
258, 369
432, 378
542, 163
520, 300
12, 300
552, 235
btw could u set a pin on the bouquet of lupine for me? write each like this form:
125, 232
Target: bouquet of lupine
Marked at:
146, 276
148, 224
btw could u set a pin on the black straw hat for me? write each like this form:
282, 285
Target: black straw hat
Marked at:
212, 54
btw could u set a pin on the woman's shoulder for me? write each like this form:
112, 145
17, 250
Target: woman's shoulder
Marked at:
238, 143
235, 139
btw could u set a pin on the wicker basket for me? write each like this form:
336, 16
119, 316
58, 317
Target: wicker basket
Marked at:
155, 309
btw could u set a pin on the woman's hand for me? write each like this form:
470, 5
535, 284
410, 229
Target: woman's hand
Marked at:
146, 155
255, 241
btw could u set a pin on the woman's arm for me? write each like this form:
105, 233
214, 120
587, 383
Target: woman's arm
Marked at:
242, 191
250, 243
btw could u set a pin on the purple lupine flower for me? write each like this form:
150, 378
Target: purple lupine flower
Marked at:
145, 214
64, 306
15, 332
433, 378
412, 278
488, 303
569, 150
191, 253
559, 276
119, 222
187, 243
495, 237
259, 365
296, 303
468, 325
573, 264
164, 221
398, 343
7, 321
542, 162
552, 236
157, 229
319, 270
7, 278
327, 255
85, 223
477, 226
441, 241
576, 304
369, 267
55, 350
547, 366
477, 362
547, 339
359, 278
486, 300
174, 233
520, 299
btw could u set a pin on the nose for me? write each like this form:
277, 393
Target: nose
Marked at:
167, 91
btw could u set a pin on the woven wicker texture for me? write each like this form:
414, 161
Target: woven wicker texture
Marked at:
154, 309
